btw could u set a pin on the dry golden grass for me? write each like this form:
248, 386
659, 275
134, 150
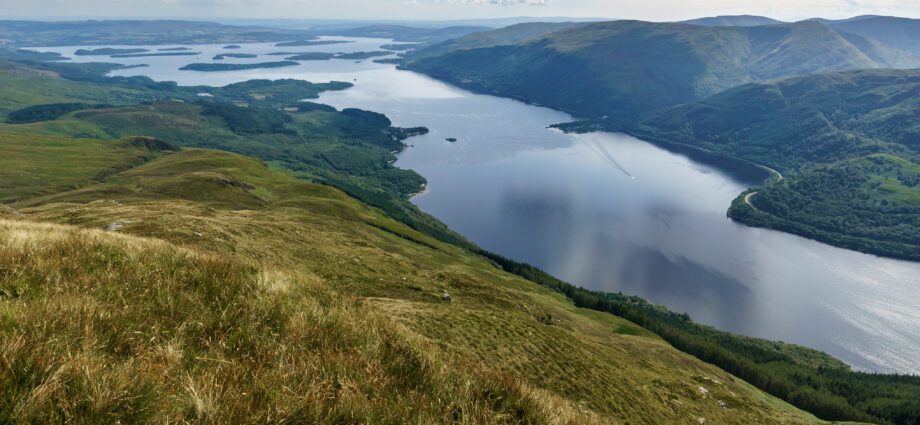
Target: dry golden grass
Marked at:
211, 304
97, 327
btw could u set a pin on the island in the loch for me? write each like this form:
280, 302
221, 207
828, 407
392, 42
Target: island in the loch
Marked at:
222, 56
451, 139
211, 67
148, 55
400, 47
108, 51
390, 61
174, 49
322, 56
311, 56
363, 55
232, 46
306, 43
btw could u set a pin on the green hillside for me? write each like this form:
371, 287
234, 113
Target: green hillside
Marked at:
350, 149
225, 291
513, 34
848, 145
229, 289
625, 69
897, 32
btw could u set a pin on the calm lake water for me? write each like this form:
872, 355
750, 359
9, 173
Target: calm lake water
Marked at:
609, 212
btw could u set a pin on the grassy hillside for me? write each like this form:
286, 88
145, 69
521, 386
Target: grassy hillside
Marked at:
26, 86
138, 330
226, 291
901, 33
77, 161
513, 34
497, 348
625, 69
351, 149
847, 144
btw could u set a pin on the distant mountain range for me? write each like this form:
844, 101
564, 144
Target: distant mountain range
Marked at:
733, 21
337, 24
625, 69
501, 37
406, 33
900, 33
136, 32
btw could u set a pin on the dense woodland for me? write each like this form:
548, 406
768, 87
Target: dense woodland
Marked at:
870, 204
846, 143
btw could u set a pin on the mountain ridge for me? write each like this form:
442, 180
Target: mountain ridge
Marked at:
627, 68
733, 21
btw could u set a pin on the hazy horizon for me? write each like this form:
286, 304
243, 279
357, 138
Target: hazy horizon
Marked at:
446, 10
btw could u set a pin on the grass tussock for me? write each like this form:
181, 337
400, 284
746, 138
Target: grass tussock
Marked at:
97, 327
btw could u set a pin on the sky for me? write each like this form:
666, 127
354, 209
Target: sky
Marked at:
651, 10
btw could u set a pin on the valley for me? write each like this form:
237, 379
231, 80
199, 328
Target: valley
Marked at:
233, 271
802, 126
385, 220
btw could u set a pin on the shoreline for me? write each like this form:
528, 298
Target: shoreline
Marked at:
420, 193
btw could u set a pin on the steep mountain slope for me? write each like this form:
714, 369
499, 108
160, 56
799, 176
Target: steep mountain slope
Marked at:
733, 21
225, 291
883, 54
896, 32
804, 48
499, 348
848, 144
513, 34
408, 33
624, 69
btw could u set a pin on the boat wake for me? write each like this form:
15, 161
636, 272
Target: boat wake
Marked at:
601, 151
